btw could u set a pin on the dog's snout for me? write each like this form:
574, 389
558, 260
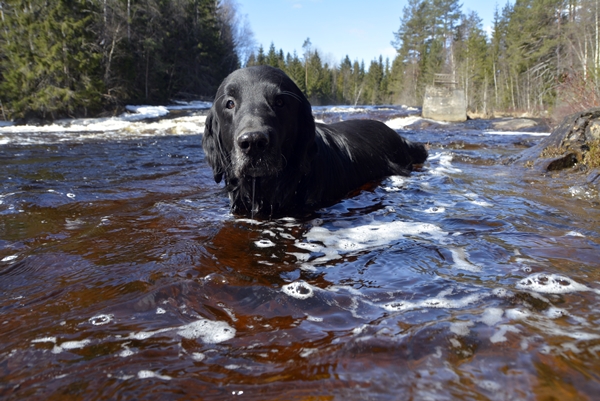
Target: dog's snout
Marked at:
253, 142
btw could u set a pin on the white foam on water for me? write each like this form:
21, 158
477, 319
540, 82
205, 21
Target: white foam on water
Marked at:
517, 314
435, 210
126, 352
44, 340
100, 320
438, 302
112, 128
491, 316
145, 112
403, 122
489, 385
552, 284
148, 374
69, 345
461, 328
444, 161
482, 203
574, 234
264, 243
210, 332
299, 290
459, 256
9, 258
512, 133
333, 243
394, 183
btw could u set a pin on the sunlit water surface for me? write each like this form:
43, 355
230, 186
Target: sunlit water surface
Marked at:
123, 275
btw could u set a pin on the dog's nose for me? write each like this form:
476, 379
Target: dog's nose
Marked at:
253, 142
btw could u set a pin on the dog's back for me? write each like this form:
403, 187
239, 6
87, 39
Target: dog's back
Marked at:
354, 152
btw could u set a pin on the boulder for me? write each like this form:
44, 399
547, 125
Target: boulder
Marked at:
514, 124
574, 143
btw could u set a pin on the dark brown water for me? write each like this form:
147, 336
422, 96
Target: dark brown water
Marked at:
123, 276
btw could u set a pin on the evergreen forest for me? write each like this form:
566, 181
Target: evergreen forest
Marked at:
541, 56
85, 57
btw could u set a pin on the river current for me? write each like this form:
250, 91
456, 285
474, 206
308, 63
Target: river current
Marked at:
124, 276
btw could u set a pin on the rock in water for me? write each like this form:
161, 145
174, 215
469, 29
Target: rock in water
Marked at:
575, 142
514, 124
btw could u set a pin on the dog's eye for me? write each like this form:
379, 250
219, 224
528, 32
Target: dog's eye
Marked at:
279, 102
230, 104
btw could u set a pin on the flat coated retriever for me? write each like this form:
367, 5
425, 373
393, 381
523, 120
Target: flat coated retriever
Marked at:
261, 137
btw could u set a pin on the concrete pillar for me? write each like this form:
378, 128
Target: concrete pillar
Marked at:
444, 104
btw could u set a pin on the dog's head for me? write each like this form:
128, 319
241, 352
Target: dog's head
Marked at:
259, 125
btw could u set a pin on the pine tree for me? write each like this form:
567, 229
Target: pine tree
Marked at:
473, 67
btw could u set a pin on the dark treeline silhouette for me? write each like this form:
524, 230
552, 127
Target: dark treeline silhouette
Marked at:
348, 83
80, 57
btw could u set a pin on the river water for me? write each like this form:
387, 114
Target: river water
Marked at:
123, 275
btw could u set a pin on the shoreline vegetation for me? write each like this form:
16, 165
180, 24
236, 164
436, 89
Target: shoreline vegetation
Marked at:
87, 58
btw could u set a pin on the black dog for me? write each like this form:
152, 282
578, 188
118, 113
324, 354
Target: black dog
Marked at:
260, 135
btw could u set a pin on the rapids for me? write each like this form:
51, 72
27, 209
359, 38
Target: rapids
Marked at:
124, 276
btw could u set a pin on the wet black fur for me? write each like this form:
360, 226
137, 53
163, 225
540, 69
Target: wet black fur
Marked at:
306, 165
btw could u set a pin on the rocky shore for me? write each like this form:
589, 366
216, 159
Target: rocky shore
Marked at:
573, 148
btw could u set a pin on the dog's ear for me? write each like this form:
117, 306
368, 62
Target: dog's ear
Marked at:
307, 144
211, 143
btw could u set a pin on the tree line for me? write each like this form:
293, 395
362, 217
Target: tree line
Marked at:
77, 57
82, 57
541, 55
348, 83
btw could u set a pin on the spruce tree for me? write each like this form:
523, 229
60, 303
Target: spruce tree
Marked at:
50, 65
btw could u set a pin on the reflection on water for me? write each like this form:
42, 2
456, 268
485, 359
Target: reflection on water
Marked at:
123, 276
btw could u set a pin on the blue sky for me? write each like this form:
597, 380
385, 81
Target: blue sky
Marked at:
362, 30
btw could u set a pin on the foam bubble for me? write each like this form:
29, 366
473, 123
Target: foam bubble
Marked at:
500, 335
551, 284
126, 352
99, 320
489, 385
44, 340
68, 345
517, 314
264, 243
298, 289
491, 316
209, 331
148, 374
554, 312
363, 237
439, 302
396, 183
461, 328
